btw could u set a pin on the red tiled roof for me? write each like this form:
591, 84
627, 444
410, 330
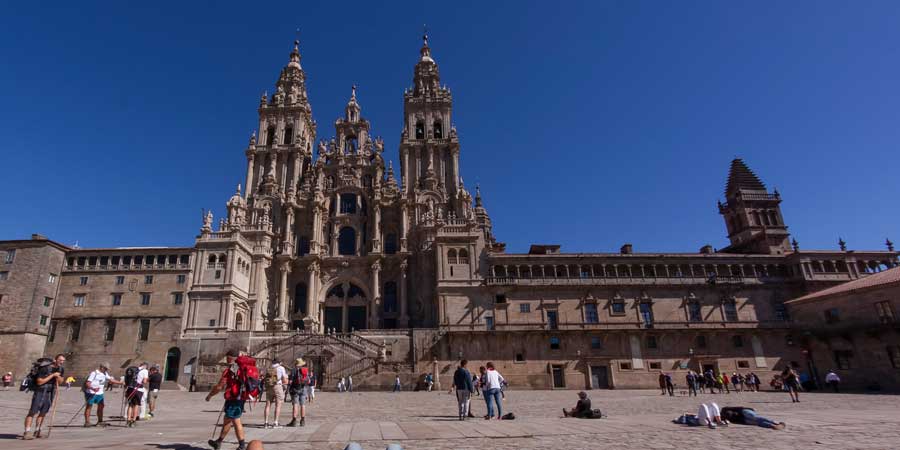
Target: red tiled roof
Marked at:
889, 276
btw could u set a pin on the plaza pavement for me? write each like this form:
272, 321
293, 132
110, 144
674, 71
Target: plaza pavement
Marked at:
422, 420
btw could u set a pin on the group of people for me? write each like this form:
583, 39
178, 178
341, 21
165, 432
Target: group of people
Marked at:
298, 385
713, 382
710, 415
489, 382
345, 384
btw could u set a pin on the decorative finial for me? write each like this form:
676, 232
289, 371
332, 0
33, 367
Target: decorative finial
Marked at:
353, 92
425, 35
795, 245
253, 138
890, 245
477, 195
238, 191
842, 244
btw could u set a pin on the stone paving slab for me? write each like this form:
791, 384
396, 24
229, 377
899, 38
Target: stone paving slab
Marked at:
638, 420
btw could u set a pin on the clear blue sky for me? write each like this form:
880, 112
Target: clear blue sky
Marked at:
586, 124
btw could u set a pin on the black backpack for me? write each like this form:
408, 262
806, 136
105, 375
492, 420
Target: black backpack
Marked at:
131, 377
39, 369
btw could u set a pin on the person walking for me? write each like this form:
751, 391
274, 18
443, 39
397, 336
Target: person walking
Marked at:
492, 383
299, 385
313, 379
275, 381
154, 386
833, 380
462, 383
710, 381
235, 397
69, 382
136, 384
397, 386
737, 383
349, 383
44, 382
670, 385
429, 382
662, 383
725, 382
7, 381
193, 385
94, 388
691, 380
791, 383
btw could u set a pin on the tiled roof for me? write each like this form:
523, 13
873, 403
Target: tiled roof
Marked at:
741, 177
889, 276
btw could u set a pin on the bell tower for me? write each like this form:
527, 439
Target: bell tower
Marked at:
752, 214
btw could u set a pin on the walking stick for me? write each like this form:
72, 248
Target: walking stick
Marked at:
53, 412
216, 425
74, 415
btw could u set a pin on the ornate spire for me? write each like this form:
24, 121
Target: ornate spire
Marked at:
478, 203
425, 52
295, 55
889, 244
842, 244
795, 245
740, 177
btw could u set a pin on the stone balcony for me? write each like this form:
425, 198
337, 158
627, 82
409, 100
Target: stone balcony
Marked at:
625, 281
622, 326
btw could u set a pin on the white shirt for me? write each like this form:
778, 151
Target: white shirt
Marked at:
142, 375
97, 380
280, 372
492, 380
832, 377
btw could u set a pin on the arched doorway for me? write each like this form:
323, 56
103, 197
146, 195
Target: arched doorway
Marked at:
173, 359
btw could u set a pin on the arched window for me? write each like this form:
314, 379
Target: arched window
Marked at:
451, 256
355, 291
352, 146
300, 298
270, 136
390, 243
222, 258
463, 257
212, 259
390, 297
348, 203
288, 136
238, 321
347, 241
420, 130
438, 130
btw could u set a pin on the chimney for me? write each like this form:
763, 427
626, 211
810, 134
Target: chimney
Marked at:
626, 249
38, 237
706, 249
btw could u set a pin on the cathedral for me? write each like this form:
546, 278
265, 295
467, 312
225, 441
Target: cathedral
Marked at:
329, 253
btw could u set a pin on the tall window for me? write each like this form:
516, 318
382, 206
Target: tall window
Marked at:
390, 243
420, 130
390, 297
842, 358
347, 241
120, 279
300, 293
553, 320
148, 279
695, 313
451, 256
489, 322
885, 312
144, 331
270, 136
116, 299
463, 257
646, 309
731, 314
51, 334
303, 247
52, 278
110, 329
590, 313
10, 255
79, 300
47, 301
83, 281
75, 331
348, 203
145, 299
289, 135
180, 279
177, 298
617, 307
438, 130
44, 320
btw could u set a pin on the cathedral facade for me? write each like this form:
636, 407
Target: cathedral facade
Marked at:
329, 253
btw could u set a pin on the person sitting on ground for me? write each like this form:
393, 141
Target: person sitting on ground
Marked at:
582, 409
747, 416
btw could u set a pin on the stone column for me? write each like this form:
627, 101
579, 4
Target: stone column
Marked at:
345, 314
283, 292
317, 229
404, 318
312, 305
404, 225
376, 230
250, 166
455, 170
434, 374
376, 295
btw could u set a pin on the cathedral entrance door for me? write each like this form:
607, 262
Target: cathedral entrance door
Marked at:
357, 317
333, 318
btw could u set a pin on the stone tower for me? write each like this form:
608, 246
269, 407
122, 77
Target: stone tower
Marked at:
752, 214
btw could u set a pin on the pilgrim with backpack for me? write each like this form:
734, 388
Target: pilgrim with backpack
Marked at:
240, 382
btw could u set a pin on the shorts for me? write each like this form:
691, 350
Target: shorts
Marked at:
301, 397
40, 402
134, 396
275, 394
93, 399
233, 409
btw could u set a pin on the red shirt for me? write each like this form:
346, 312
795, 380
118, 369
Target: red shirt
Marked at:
232, 386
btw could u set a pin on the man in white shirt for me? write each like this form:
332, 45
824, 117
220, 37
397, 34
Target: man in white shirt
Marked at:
94, 387
135, 393
833, 380
143, 380
275, 381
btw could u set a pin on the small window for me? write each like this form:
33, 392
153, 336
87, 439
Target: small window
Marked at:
47, 301
178, 298
554, 343
832, 315
618, 308
212, 322
144, 332
737, 341
842, 359
731, 314
116, 299
79, 300
590, 313
180, 279
695, 314
4, 276
651, 342
52, 278
10, 256
145, 299
218, 274
524, 307
700, 341
110, 330
83, 281
596, 343
500, 298
120, 280
520, 357
148, 279
489, 323
624, 366
656, 366
743, 364
44, 320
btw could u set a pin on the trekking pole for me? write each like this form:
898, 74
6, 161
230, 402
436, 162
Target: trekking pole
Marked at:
53, 413
75, 415
216, 425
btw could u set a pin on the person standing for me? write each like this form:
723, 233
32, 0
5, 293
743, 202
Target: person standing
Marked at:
492, 383
94, 387
312, 385
134, 392
670, 385
725, 382
710, 381
233, 409
833, 380
397, 386
299, 383
349, 383
7, 381
275, 381
736, 382
791, 383
193, 385
462, 383
691, 380
48, 374
155, 383
662, 383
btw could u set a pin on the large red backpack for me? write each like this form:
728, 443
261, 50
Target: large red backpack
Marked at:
246, 385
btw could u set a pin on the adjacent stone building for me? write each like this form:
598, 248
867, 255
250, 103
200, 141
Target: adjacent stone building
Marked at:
326, 252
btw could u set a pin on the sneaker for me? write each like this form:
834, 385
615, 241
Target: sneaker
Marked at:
276, 425
292, 423
214, 444
471, 416
303, 421
265, 425
27, 436
37, 434
242, 445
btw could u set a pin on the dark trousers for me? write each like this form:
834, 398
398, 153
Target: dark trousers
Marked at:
835, 386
